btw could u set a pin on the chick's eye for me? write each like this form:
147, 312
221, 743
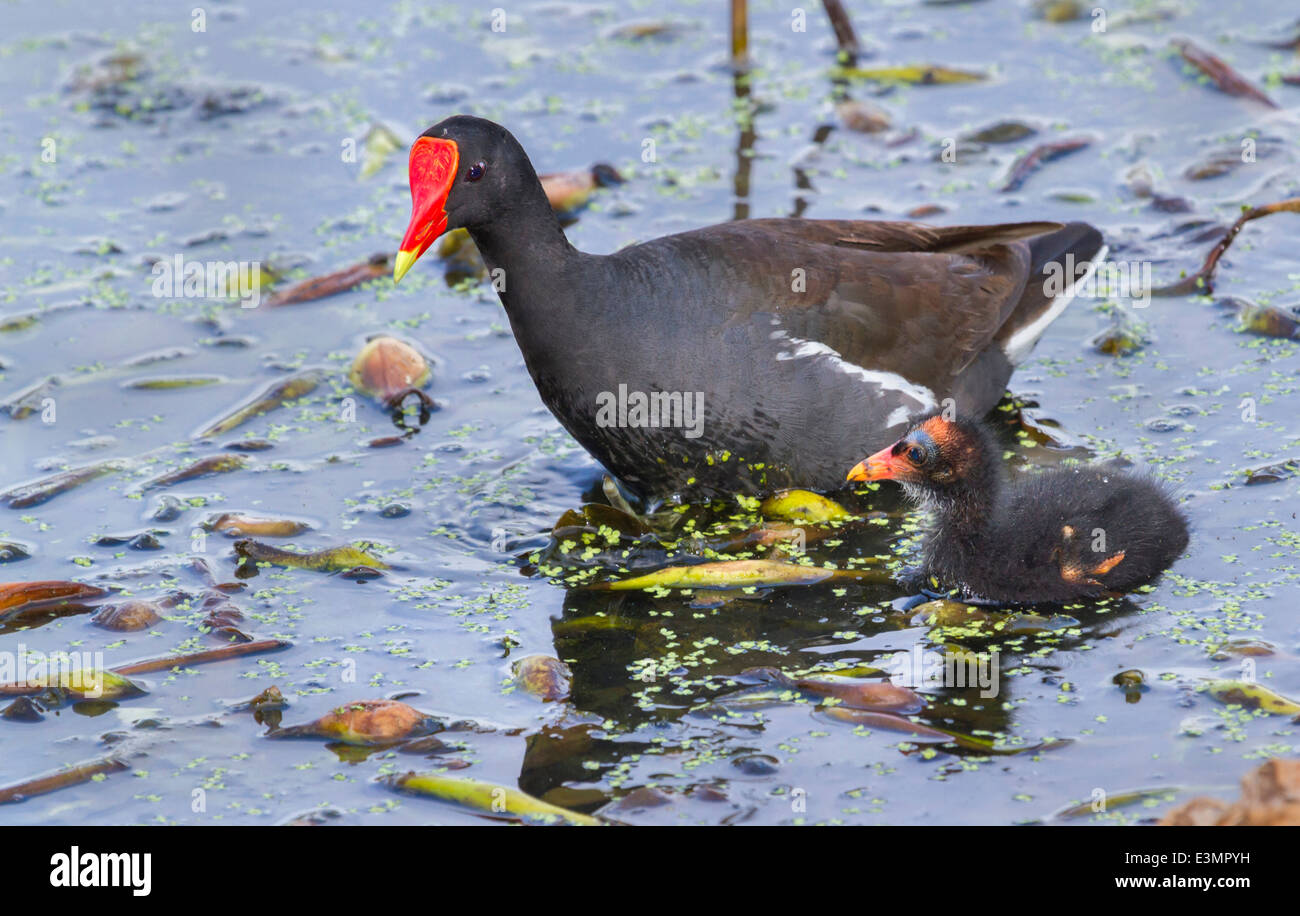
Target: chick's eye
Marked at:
476, 171
915, 455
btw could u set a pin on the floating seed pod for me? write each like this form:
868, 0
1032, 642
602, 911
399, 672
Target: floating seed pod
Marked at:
862, 117
387, 367
127, 616
543, 676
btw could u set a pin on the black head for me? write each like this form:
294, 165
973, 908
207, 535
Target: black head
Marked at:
937, 457
464, 172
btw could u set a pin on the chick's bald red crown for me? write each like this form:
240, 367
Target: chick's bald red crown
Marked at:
904, 459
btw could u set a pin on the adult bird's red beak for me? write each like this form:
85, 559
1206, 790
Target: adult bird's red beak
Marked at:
432, 170
879, 466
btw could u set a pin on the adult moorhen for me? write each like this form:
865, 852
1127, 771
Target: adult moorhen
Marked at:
750, 355
1049, 537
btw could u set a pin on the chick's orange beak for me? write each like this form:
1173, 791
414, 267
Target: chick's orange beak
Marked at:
879, 466
432, 170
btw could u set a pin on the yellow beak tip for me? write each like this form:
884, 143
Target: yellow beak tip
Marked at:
402, 263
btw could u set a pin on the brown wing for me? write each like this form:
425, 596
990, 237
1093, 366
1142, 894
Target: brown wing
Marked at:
922, 301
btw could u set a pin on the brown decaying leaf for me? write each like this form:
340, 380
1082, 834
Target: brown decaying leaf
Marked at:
204, 467
330, 559
1270, 797
24, 496
888, 721
187, 659
222, 618
19, 597
1029, 163
366, 723
568, 192
855, 693
60, 779
377, 265
1222, 75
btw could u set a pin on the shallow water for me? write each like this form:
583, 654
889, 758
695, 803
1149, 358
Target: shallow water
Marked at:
492, 469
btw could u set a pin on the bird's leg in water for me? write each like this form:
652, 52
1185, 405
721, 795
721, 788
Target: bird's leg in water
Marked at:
427, 405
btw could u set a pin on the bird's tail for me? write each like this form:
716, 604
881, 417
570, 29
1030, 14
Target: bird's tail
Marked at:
1060, 261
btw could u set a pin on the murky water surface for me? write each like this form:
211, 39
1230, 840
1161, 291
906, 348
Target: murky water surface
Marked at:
231, 144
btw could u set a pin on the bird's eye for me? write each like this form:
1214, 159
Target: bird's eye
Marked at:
476, 171
915, 455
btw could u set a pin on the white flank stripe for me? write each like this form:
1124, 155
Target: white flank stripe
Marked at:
1022, 341
882, 381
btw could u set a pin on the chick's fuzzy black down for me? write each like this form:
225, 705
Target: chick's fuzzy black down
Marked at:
1077, 520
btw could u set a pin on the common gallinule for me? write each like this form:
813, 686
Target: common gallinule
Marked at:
750, 355
1047, 537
